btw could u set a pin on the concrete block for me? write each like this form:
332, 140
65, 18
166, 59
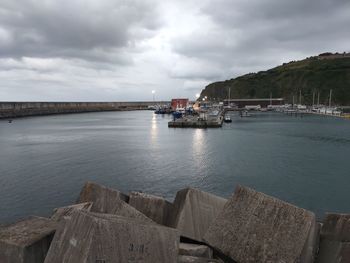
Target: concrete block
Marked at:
195, 250
334, 251
194, 211
335, 239
100, 238
66, 211
311, 245
190, 259
254, 227
109, 201
154, 207
26, 241
103, 198
336, 227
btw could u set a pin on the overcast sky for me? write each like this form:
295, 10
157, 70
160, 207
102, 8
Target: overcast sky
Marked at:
119, 50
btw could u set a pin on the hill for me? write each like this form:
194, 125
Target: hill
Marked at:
315, 74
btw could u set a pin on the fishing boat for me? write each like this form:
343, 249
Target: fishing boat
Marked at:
160, 111
227, 119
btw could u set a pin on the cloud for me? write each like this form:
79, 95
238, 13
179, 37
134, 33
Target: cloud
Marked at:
123, 49
269, 31
87, 30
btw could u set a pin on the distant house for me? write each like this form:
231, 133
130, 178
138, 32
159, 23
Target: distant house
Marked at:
179, 103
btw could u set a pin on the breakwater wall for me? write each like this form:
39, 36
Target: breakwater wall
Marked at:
23, 109
196, 227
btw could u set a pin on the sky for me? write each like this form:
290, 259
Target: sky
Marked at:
121, 50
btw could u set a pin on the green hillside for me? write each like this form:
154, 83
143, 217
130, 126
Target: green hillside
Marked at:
316, 74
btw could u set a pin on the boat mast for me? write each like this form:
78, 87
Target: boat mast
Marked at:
229, 96
330, 98
313, 98
229, 93
270, 98
318, 99
300, 96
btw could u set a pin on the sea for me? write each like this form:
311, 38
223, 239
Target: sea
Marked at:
45, 161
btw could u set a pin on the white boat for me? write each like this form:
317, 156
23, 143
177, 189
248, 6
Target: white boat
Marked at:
252, 107
227, 119
181, 110
152, 107
301, 107
290, 111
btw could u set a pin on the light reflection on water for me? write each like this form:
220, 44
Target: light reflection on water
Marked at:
198, 143
44, 161
154, 130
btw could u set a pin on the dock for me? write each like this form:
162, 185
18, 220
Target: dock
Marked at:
194, 121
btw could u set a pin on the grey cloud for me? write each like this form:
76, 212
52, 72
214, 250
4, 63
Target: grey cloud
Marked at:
240, 12
123, 49
91, 30
254, 35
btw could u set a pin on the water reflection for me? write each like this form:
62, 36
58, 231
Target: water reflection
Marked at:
199, 150
198, 142
154, 130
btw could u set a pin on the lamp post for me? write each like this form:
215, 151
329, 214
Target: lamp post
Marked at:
154, 94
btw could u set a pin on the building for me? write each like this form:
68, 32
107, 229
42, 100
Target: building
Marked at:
179, 103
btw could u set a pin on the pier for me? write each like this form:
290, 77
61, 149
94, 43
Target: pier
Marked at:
204, 120
24, 109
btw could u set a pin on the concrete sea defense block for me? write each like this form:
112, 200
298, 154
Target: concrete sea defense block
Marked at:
194, 211
26, 241
66, 211
195, 250
254, 227
154, 207
103, 198
335, 239
336, 227
190, 259
95, 238
333, 251
109, 201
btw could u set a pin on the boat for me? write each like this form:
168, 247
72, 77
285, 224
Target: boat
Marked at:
253, 107
152, 107
160, 111
181, 110
227, 119
177, 115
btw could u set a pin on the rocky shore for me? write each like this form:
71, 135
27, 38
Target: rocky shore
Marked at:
107, 226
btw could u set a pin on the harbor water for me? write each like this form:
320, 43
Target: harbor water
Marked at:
44, 161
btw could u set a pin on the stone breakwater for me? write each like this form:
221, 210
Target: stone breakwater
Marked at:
23, 109
107, 226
